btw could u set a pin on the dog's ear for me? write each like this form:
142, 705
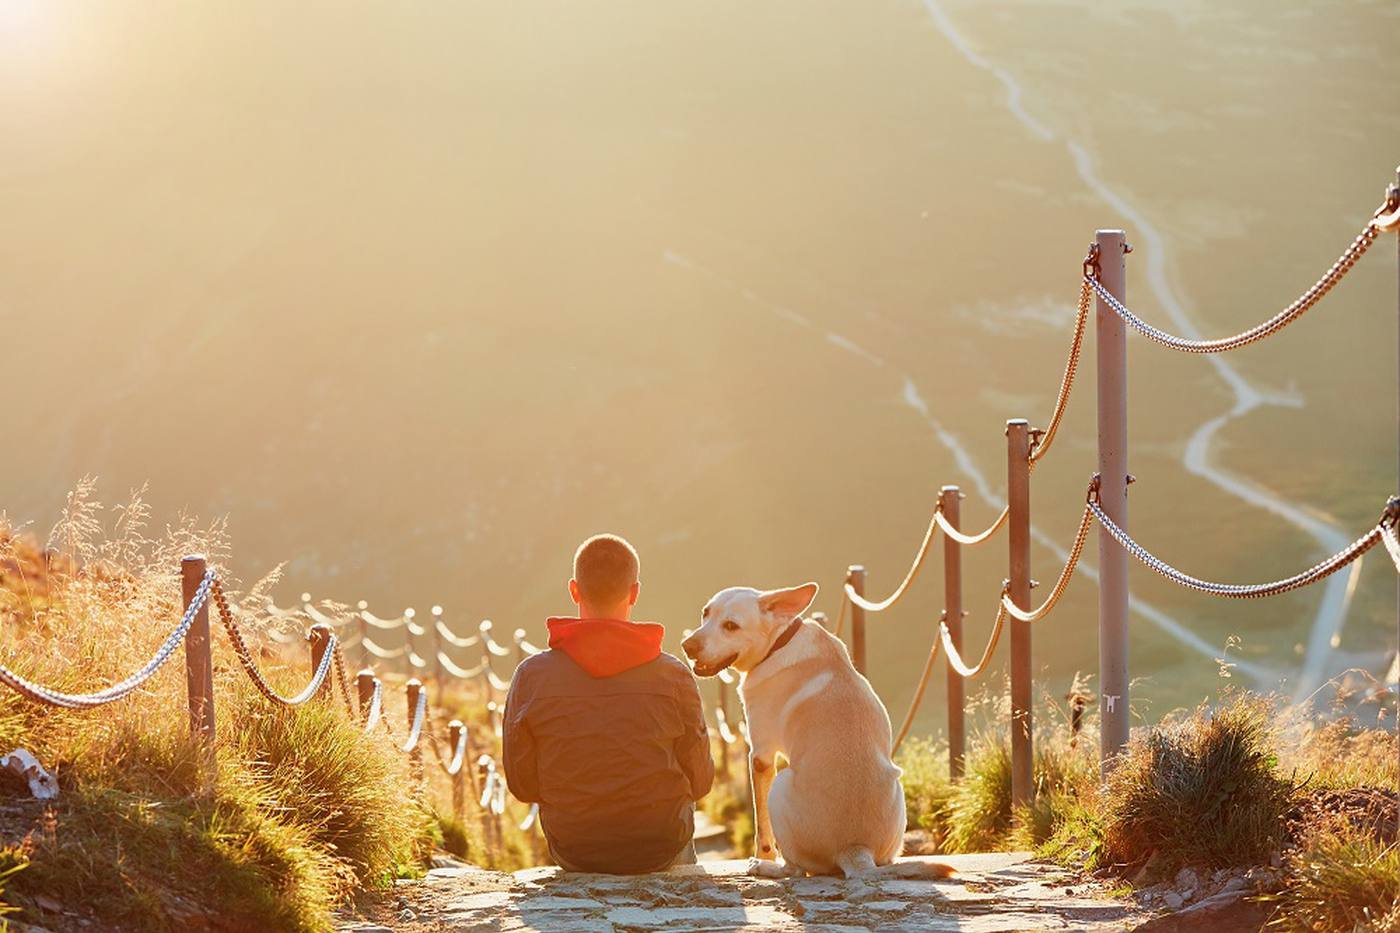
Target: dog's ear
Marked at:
790, 603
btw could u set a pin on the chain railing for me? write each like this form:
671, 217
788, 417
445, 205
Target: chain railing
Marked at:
1383, 220
1313, 574
51, 697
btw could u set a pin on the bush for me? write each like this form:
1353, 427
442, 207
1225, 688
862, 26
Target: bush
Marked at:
1340, 878
1202, 791
301, 808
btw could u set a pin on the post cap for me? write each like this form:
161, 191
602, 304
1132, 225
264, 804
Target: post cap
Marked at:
856, 568
363, 673
437, 610
413, 683
409, 613
362, 605
193, 557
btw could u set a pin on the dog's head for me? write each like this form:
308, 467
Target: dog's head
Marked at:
740, 624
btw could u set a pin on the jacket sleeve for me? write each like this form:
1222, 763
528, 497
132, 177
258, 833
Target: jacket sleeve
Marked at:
693, 747
518, 753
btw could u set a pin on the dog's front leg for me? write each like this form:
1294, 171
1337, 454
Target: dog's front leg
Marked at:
761, 779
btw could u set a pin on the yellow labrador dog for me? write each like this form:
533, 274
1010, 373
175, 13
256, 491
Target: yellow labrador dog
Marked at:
838, 806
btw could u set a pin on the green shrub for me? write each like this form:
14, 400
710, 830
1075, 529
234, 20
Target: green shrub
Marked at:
1340, 878
928, 791
1201, 791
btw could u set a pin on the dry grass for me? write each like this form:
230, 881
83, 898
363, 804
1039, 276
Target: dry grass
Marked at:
300, 810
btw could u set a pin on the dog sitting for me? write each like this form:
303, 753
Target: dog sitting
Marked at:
838, 806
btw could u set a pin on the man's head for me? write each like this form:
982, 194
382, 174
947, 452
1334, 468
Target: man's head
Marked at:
607, 578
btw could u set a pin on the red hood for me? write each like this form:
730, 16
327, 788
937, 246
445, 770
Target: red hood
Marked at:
604, 647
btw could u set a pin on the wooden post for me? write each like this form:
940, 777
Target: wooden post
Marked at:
363, 625
439, 674
949, 500
1112, 350
412, 690
364, 686
855, 575
320, 637
1018, 485
455, 734
410, 648
199, 668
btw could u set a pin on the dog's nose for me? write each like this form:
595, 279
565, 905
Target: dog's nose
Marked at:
691, 646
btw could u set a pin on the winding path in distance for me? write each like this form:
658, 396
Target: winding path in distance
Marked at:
1336, 590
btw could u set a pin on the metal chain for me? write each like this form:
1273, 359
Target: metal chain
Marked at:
1062, 584
1248, 591
51, 697
1287, 316
245, 657
903, 587
1040, 445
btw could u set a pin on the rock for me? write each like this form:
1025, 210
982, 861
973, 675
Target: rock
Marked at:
407, 915
1173, 900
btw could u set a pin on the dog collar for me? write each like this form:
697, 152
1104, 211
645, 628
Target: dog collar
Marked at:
783, 639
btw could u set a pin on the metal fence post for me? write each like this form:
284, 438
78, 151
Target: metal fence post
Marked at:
1018, 485
855, 576
455, 734
1111, 347
949, 504
1392, 194
199, 668
320, 637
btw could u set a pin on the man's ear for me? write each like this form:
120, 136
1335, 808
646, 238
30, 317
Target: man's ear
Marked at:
789, 603
573, 593
634, 593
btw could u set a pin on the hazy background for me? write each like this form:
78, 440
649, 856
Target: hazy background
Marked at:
422, 294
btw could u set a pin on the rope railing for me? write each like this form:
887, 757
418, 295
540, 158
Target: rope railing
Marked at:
384, 654
898, 594
1382, 221
375, 621
1061, 584
1313, 574
415, 726
972, 539
918, 695
124, 688
499, 650
453, 639
374, 714
525, 646
1040, 446
450, 667
955, 658
250, 667
1392, 544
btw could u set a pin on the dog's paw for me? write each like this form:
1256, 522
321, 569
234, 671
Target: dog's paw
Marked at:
767, 868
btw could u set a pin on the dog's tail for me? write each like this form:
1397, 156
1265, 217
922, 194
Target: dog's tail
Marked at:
859, 862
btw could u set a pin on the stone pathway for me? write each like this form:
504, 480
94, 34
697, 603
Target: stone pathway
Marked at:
993, 892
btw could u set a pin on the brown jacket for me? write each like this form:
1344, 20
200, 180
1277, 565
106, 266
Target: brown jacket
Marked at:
615, 758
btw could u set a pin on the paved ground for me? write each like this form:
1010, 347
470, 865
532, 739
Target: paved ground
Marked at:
993, 892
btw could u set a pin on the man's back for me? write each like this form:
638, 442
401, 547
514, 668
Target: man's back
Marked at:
616, 755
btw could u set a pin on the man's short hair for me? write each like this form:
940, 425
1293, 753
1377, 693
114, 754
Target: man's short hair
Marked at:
605, 567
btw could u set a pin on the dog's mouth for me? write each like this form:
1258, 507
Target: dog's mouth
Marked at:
703, 669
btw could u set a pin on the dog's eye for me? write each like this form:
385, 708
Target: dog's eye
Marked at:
731, 626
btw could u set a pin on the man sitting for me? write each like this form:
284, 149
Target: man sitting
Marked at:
605, 732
